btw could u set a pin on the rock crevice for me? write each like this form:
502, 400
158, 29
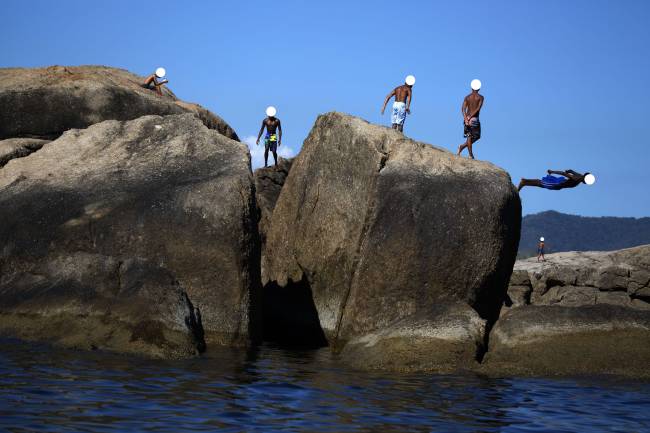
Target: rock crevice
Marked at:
14, 148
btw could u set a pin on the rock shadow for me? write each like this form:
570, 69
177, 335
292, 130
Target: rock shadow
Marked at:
290, 318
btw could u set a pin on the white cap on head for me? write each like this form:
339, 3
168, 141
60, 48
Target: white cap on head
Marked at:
541, 239
476, 84
160, 72
270, 111
590, 179
410, 80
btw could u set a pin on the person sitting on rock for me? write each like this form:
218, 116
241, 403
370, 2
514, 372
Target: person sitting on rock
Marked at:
271, 140
152, 83
402, 104
567, 179
471, 109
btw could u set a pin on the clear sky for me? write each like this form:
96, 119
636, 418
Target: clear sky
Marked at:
565, 81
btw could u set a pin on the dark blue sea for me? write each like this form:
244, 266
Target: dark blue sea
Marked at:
271, 389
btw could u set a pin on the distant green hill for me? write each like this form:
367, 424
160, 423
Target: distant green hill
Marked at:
565, 232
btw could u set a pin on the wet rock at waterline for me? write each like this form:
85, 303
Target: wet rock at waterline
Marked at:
92, 301
445, 338
164, 192
561, 340
577, 312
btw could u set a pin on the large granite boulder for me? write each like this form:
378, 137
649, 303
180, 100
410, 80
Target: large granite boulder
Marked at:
45, 102
389, 232
577, 312
140, 221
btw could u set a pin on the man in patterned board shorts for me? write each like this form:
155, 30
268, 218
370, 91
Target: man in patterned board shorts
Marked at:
271, 139
471, 109
402, 104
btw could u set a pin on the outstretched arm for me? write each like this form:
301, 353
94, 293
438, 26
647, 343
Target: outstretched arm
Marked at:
561, 173
390, 95
260, 134
280, 131
477, 109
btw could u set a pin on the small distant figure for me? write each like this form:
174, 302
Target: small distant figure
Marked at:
152, 83
271, 139
402, 105
540, 250
471, 110
566, 179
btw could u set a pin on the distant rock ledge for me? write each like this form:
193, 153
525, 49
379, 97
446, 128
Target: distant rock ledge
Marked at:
576, 313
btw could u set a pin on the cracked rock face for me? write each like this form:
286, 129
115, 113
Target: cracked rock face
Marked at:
585, 278
268, 185
385, 228
127, 227
45, 102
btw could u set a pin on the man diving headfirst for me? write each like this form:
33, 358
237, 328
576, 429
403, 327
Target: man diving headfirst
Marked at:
402, 104
566, 179
471, 109
271, 139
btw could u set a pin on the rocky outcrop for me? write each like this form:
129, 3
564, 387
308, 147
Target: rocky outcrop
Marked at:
401, 243
45, 102
578, 312
126, 227
560, 340
584, 278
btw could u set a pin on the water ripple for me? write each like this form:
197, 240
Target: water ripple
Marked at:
269, 389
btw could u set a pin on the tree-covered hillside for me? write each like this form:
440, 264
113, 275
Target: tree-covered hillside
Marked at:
564, 232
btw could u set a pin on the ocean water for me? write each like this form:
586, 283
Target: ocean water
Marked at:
271, 389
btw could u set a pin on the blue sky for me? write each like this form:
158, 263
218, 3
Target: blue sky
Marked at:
564, 80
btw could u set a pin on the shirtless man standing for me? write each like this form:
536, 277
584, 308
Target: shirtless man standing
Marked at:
271, 140
471, 110
402, 104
